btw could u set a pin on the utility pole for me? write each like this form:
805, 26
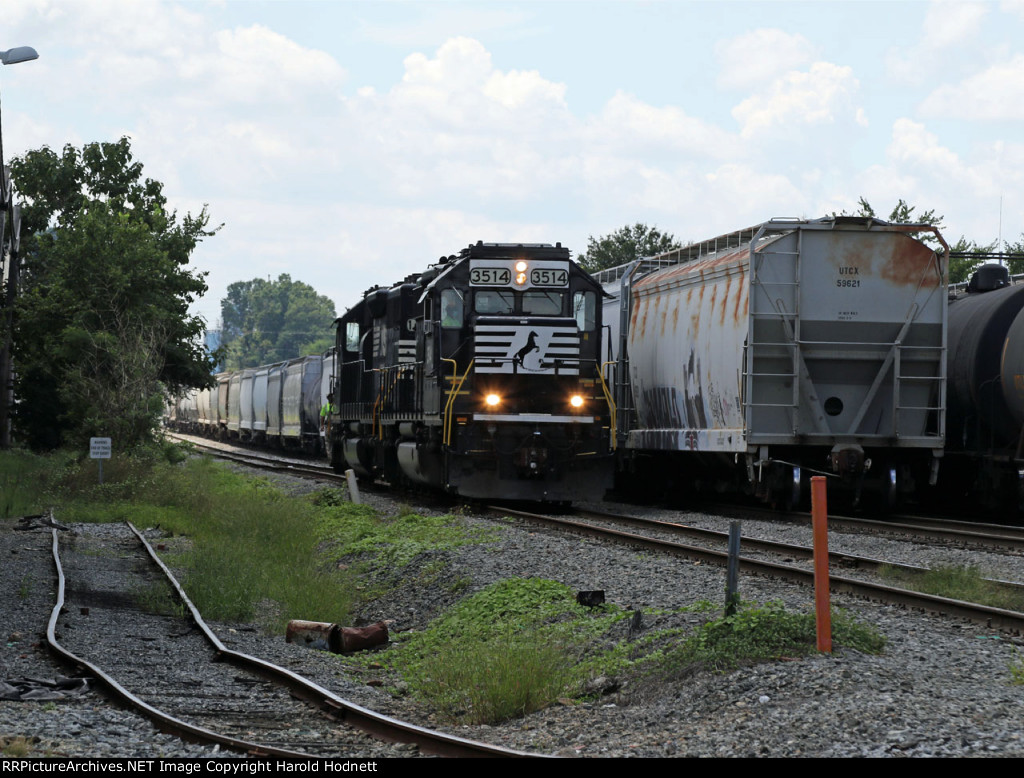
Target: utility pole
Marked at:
10, 216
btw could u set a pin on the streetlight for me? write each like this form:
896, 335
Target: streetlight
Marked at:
9, 212
18, 54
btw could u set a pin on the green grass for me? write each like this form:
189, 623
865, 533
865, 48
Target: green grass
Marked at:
15, 747
762, 633
250, 553
521, 644
247, 552
387, 544
958, 583
510, 649
21, 477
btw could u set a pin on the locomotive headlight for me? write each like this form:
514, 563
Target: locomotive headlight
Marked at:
521, 268
576, 401
492, 400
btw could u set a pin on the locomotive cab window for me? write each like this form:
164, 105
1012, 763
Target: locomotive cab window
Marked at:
451, 308
352, 336
542, 303
584, 310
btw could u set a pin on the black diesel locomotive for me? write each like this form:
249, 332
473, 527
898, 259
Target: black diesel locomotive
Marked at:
481, 377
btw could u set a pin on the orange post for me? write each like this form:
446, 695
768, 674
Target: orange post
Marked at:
822, 603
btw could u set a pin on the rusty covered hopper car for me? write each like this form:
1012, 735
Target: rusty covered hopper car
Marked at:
795, 347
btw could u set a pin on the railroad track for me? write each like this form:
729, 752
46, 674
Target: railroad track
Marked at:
920, 527
1010, 538
659, 536
121, 617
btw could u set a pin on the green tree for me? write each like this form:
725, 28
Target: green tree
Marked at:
102, 328
265, 321
965, 256
902, 213
1015, 264
624, 246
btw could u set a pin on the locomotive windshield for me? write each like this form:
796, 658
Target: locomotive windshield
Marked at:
543, 303
501, 302
494, 301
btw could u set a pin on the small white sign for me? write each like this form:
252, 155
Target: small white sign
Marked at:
99, 448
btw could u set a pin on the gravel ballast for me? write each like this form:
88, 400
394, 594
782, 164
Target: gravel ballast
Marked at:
941, 688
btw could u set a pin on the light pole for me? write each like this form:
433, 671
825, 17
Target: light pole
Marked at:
9, 214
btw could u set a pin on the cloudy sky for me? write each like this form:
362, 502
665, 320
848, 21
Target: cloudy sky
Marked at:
352, 143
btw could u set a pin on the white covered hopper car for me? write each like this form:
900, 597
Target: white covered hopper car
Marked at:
757, 359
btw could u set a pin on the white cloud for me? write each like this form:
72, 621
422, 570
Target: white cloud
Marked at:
1013, 7
821, 95
994, 94
257, 65
952, 23
929, 175
439, 23
627, 122
760, 56
949, 27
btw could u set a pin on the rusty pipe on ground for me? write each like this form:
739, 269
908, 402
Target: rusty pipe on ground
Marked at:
334, 637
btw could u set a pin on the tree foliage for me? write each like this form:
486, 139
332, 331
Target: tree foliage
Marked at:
1015, 264
265, 321
624, 246
102, 324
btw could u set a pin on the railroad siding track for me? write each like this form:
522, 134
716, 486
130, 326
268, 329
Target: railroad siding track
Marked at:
119, 612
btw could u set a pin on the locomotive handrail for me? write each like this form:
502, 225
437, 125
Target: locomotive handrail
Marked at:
609, 400
452, 394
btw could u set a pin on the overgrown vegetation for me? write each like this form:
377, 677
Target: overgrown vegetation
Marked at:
250, 552
506, 651
21, 478
389, 543
521, 644
247, 551
762, 633
958, 583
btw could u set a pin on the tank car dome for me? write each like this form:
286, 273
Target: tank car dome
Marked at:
988, 278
